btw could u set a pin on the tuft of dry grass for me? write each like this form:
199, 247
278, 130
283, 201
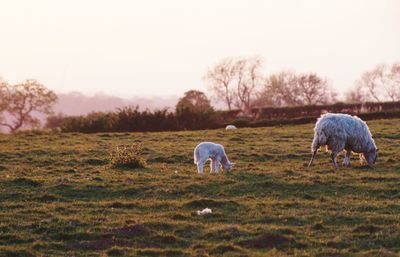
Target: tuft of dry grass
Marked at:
128, 156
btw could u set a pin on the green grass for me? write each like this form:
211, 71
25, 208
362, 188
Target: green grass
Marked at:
59, 196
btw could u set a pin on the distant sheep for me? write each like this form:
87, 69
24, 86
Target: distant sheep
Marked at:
230, 127
342, 131
214, 152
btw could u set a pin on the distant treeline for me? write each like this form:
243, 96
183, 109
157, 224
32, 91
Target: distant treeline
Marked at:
131, 119
317, 110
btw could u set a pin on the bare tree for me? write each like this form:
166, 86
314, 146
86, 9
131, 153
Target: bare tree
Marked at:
249, 79
220, 80
23, 100
289, 89
279, 90
371, 83
356, 95
235, 80
314, 90
392, 82
3, 96
381, 83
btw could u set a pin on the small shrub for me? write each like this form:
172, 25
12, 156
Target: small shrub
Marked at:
128, 157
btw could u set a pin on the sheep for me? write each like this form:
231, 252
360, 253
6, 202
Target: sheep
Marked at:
214, 152
344, 132
230, 127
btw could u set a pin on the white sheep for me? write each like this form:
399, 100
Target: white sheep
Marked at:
230, 127
214, 152
344, 132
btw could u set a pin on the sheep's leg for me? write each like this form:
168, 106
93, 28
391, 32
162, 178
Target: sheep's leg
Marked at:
362, 158
312, 158
337, 146
346, 160
334, 155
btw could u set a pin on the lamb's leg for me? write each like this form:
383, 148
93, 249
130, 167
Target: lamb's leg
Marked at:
312, 158
216, 165
212, 164
334, 155
200, 165
346, 160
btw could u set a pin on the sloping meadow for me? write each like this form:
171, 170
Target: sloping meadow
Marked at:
61, 197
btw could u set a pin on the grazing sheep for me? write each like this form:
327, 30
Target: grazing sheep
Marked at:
214, 152
342, 131
230, 127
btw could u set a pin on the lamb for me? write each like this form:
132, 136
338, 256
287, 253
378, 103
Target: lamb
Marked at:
214, 152
230, 127
342, 131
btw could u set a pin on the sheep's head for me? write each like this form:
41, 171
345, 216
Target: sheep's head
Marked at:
228, 166
371, 156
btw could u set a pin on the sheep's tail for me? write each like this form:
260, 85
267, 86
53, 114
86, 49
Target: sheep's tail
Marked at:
319, 139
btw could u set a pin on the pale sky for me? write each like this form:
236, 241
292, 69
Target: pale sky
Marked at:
158, 47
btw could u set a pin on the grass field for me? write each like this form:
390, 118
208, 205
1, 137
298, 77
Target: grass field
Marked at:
59, 196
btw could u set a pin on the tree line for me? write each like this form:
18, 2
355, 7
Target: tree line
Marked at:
238, 82
193, 111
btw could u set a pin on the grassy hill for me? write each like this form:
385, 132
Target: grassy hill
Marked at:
59, 196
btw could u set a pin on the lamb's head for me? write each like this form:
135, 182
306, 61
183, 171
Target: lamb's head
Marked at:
228, 166
371, 156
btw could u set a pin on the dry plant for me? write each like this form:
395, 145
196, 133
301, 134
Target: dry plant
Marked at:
128, 156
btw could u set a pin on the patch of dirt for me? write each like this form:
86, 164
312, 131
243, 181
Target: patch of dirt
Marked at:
179, 217
375, 179
366, 229
131, 231
337, 244
317, 226
26, 182
221, 249
267, 240
100, 244
122, 205
47, 198
153, 252
95, 162
329, 255
228, 233
209, 203
309, 197
176, 158
165, 240
326, 171
286, 231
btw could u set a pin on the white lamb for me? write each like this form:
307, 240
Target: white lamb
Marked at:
342, 131
214, 152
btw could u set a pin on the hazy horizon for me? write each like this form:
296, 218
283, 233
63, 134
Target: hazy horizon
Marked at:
157, 48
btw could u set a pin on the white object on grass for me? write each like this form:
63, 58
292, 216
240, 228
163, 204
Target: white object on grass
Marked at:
204, 211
